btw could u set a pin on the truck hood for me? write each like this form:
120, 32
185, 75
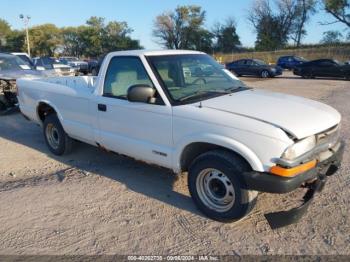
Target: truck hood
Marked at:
298, 116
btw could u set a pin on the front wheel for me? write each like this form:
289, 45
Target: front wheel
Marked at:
217, 187
56, 138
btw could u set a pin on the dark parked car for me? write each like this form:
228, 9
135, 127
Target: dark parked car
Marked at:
290, 62
253, 67
323, 68
95, 68
92, 63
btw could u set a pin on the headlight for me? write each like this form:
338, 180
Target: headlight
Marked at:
299, 148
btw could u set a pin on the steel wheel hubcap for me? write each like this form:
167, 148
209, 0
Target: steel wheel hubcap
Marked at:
265, 74
215, 190
52, 136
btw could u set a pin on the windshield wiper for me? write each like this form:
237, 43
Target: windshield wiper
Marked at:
233, 89
201, 93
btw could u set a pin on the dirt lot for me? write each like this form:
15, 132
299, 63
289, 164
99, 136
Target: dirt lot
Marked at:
92, 202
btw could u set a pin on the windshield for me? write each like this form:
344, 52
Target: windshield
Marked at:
13, 63
301, 59
193, 77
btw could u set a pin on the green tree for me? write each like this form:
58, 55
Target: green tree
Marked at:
72, 41
276, 26
96, 38
227, 39
339, 9
44, 39
182, 28
331, 37
304, 8
5, 30
268, 35
15, 41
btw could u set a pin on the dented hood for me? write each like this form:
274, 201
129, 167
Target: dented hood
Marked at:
298, 116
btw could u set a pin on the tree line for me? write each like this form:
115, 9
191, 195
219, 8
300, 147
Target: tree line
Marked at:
277, 24
90, 40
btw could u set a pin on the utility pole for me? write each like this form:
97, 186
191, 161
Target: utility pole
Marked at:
25, 20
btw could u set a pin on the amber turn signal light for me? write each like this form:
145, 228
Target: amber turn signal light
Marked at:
291, 172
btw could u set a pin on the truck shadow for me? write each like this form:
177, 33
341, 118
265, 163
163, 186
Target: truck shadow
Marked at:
152, 181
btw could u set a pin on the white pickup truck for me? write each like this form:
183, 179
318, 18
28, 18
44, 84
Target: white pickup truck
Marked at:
183, 111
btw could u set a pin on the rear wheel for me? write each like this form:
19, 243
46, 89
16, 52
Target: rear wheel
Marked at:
264, 74
217, 187
56, 138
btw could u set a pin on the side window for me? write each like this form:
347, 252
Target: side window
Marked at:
248, 62
327, 63
122, 73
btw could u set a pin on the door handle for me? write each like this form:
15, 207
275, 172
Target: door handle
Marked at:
102, 107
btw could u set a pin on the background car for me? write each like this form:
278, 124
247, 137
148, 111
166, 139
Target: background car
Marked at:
95, 68
24, 57
323, 68
253, 67
92, 63
290, 62
50, 63
78, 65
12, 68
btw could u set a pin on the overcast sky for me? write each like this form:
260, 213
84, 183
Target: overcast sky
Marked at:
140, 14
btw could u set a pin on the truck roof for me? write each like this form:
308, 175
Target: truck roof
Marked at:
154, 52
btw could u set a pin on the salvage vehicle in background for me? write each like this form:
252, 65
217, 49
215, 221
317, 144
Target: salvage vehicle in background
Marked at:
25, 57
79, 65
323, 68
290, 62
50, 63
253, 67
232, 140
12, 68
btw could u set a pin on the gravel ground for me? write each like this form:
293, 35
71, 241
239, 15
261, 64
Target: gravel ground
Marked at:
92, 202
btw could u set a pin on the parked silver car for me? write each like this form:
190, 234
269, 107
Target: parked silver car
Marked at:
11, 68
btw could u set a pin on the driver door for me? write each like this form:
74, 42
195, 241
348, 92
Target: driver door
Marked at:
140, 130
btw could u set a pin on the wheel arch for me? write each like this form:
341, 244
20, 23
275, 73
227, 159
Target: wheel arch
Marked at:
45, 108
189, 150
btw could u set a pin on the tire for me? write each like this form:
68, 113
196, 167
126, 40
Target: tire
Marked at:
58, 142
264, 74
309, 75
223, 170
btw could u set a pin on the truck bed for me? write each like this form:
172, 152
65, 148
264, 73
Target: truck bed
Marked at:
71, 95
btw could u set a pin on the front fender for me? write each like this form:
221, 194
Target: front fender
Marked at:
219, 140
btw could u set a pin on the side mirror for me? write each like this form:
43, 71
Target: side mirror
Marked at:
140, 93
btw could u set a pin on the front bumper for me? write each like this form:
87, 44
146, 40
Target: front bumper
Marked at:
313, 179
